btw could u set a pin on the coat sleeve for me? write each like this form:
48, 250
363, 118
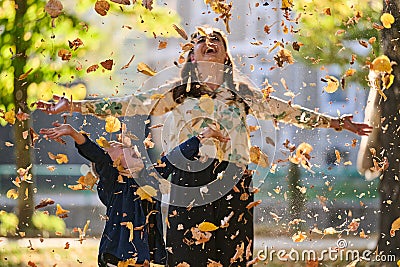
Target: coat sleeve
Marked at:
189, 149
108, 174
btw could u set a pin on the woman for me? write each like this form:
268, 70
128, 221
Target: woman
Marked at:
207, 95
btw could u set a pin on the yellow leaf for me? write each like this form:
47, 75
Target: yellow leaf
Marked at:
89, 180
207, 104
330, 231
207, 227
146, 192
382, 64
12, 194
9, 116
304, 149
128, 262
145, 69
76, 187
395, 227
157, 96
59, 158
387, 20
287, 4
112, 124
61, 211
258, 157
333, 84
102, 142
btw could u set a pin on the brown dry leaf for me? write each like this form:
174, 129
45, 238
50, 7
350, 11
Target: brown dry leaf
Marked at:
145, 69
59, 158
299, 237
92, 68
212, 263
148, 4
338, 157
129, 63
32, 264
34, 136
187, 47
363, 43
22, 116
88, 180
66, 245
296, 46
54, 8
353, 226
199, 236
75, 44
395, 227
162, 45
258, 157
248, 250
44, 202
107, 64
64, 54
283, 56
207, 227
180, 31
24, 75
238, 254
102, 7
327, 11
253, 204
60, 212
122, 2
223, 9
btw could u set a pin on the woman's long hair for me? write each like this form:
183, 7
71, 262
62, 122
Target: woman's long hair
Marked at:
189, 85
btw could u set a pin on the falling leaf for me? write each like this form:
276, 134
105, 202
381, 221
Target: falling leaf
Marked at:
147, 142
207, 104
12, 194
75, 44
381, 64
207, 227
60, 212
162, 45
9, 116
59, 158
353, 226
88, 181
22, 116
330, 231
8, 144
225, 221
54, 8
387, 20
102, 142
148, 4
199, 236
327, 11
128, 263
338, 158
102, 7
64, 54
113, 124
66, 245
223, 9
333, 84
145, 69
363, 43
312, 263
129, 63
283, 56
107, 64
238, 254
287, 4
395, 227
180, 31
122, 2
44, 203
212, 263
183, 264
92, 68
146, 192
258, 157
24, 75
299, 237
296, 46
34, 136
253, 204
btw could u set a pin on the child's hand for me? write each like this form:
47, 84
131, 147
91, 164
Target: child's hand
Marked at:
210, 133
61, 130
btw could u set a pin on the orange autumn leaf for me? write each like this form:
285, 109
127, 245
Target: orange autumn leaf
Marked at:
113, 124
107, 64
299, 237
147, 142
88, 180
180, 31
387, 20
60, 212
338, 158
162, 45
9, 116
207, 227
395, 227
253, 204
381, 64
92, 68
59, 158
24, 75
34, 136
258, 157
22, 116
333, 84
64, 54
12, 194
44, 203
102, 7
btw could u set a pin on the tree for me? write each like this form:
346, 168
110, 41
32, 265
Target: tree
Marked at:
389, 187
39, 44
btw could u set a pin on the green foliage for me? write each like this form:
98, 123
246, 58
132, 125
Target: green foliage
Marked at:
8, 223
333, 39
48, 223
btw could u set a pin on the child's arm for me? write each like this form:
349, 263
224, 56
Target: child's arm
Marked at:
60, 130
189, 149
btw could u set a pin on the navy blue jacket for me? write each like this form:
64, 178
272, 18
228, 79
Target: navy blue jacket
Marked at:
124, 206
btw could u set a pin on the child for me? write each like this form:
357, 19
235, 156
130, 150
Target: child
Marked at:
126, 212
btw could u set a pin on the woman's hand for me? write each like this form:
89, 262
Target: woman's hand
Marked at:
63, 105
210, 133
346, 122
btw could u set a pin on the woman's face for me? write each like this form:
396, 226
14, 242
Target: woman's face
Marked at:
209, 48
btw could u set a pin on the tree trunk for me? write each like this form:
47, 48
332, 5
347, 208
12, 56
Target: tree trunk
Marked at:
389, 187
22, 147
